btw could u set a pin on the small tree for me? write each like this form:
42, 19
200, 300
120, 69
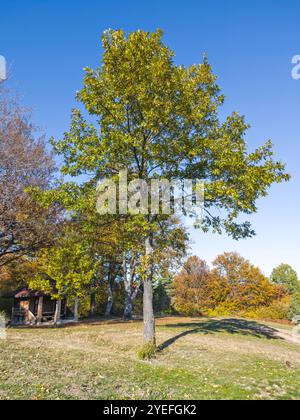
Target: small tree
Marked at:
65, 270
287, 276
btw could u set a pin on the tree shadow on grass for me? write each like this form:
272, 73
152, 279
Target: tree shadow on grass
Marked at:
230, 326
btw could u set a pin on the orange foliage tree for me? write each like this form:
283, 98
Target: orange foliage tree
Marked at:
234, 285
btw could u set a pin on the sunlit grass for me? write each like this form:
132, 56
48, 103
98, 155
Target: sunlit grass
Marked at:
199, 359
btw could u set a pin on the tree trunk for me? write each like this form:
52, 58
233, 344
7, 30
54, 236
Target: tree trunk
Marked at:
109, 304
149, 321
130, 296
93, 305
57, 312
40, 310
127, 289
128, 302
76, 310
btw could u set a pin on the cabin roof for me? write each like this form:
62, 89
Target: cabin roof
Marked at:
27, 293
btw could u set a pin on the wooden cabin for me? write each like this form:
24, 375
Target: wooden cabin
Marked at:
33, 307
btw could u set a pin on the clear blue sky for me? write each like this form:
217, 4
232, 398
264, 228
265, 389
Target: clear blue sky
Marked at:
250, 45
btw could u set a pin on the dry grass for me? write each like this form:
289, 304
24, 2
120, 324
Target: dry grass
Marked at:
199, 359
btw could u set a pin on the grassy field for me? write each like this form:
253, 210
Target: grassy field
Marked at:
199, 359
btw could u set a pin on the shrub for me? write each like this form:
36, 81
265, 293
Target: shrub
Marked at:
224, 309
187, 309
148, 351
278, 310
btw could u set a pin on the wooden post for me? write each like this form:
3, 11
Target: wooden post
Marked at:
57, 312
76, 310
40, 310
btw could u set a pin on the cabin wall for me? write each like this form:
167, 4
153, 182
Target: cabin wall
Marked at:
49, 305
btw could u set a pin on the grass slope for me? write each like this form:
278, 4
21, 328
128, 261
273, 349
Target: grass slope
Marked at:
199, 359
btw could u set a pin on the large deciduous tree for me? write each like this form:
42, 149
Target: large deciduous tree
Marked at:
195, 289
25, 226
246, 286
158, 119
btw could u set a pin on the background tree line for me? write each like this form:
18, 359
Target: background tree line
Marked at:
235, 287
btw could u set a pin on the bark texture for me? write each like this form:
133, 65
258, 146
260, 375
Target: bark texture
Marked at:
149, 320
40, 310
57, 312
76, 304
110, 300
